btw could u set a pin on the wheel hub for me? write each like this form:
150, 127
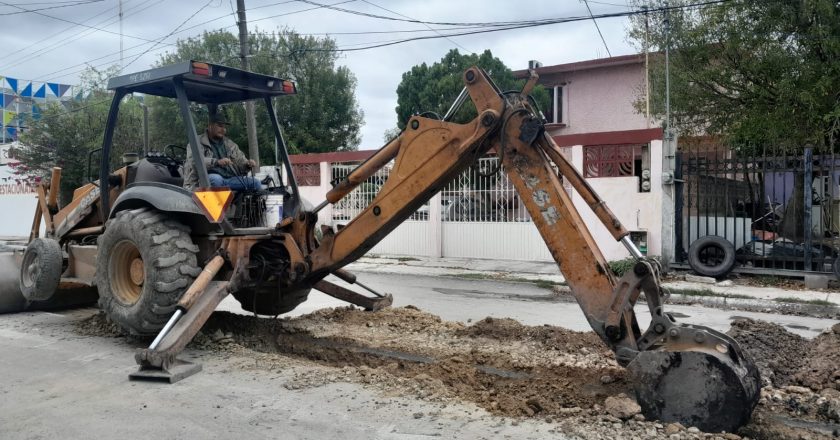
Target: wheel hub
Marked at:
136, 271
31, 273
126, 272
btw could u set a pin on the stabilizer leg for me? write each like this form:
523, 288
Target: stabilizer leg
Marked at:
368, 303
159, 362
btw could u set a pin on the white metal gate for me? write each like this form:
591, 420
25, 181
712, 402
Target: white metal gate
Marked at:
477, 215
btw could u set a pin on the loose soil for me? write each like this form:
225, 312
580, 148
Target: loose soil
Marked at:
516, 371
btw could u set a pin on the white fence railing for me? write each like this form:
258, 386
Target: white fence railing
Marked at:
482, 193
481, 216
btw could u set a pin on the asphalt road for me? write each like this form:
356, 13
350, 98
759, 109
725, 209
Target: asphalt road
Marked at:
464, 300
58, 384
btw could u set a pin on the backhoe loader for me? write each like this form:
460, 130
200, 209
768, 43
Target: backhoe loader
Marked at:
162, 258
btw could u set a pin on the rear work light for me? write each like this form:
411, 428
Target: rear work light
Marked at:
289, 87
202, 69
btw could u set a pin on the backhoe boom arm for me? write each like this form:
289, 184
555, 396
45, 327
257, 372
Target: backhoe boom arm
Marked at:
663, 360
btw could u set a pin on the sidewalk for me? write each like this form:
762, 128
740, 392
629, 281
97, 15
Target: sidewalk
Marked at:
547, 272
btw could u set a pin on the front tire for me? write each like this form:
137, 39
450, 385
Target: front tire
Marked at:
40, 271
144, 265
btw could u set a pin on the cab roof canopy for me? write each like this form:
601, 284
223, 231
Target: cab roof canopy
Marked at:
204, 83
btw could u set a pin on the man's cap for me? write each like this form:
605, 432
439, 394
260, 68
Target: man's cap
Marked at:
219, 118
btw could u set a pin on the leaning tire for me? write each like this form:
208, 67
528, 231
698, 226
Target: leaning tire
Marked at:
41, 269
144, 264
711, 256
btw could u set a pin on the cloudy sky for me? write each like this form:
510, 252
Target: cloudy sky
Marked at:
58, 38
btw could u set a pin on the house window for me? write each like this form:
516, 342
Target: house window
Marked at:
618, 161
307, 174
559, 108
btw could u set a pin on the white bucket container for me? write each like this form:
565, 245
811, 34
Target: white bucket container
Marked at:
273, 209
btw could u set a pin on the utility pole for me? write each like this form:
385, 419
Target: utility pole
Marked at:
250, 120
667, 71
647, 70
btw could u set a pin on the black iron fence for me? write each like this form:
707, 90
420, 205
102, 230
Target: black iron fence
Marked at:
780, 209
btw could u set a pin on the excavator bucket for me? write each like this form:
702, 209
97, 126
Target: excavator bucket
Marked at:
713, 390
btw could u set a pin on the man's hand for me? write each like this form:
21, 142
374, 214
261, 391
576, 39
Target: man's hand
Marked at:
252, 163
223, 162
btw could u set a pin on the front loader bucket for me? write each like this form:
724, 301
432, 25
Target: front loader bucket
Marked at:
713, 391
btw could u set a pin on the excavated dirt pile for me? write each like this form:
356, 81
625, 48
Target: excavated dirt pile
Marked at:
498, 364
509, 369
800, 398
786, 359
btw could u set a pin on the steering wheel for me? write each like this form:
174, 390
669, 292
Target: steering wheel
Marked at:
169, 150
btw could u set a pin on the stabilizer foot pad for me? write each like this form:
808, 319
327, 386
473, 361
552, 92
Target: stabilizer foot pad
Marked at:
177, 371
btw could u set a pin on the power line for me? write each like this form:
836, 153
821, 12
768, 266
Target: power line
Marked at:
57, 33
524, 24
402, 31
169, 34
494, 28
382, 17
430, 28
78, 24
45, 3
209, 21
73, 22
148, 41
62, 43
84, 63
597, 27
514, 23
78, 3
607, 4
271, 4
302, 10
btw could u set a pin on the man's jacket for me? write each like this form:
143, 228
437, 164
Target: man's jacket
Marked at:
238, 159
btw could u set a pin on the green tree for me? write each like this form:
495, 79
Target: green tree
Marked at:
63, 136
753, 71
434, 88
323, 116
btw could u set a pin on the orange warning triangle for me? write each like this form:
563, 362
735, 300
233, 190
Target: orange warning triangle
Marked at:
213, 201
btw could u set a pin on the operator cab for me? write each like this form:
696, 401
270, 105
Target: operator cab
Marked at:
156, 178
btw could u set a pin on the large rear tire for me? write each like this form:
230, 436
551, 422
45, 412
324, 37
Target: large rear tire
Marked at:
40, 271
145, 263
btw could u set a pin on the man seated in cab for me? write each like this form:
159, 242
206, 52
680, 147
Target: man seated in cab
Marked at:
226, 164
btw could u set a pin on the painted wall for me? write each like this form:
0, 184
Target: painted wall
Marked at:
637, 211
601, 99
17, 202
18, 211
